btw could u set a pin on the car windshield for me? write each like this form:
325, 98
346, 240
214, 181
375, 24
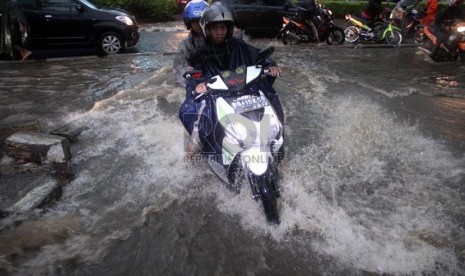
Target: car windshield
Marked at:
89, 4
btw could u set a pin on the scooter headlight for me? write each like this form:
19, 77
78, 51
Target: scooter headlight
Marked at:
256, 160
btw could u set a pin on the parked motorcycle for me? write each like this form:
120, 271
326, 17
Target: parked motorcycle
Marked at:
320, 27
452, 49
327, 30
408, 20
381, 30
294, 32
248, 133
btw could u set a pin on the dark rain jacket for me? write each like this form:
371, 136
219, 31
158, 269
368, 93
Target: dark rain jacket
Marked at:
211, 60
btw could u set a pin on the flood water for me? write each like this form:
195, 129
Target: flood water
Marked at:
373, 180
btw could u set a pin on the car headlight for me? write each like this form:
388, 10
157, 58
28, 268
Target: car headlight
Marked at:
125, 19
461, 29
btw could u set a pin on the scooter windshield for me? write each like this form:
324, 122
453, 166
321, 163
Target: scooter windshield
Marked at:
235, 79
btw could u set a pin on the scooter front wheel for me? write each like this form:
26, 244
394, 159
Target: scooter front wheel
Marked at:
267, 194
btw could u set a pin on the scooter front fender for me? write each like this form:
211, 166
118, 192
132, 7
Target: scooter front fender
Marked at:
256, 160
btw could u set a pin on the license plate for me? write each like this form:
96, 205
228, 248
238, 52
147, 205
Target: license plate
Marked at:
248, 103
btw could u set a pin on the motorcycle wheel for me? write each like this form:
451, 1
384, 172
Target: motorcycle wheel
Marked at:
264, 183
462, 56
393, 37
351, 34
335, 36
289, 37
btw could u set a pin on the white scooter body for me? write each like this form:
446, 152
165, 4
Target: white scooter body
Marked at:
255, 142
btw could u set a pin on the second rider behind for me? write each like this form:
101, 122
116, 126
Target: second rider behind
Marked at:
195, 39
221, 52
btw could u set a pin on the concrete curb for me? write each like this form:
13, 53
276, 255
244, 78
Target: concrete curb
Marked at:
379, 46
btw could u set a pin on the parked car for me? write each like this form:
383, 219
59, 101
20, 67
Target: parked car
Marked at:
260, 17
62, 23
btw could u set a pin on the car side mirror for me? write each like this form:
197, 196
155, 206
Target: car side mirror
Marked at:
264, 53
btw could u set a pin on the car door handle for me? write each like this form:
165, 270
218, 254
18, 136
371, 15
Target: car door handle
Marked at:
48, 16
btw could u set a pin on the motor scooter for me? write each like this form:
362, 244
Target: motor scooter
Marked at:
247, 134
452, 49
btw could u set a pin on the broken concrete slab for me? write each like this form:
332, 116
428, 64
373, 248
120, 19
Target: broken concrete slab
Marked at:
21, 194
46, 191
70, 131
38, 147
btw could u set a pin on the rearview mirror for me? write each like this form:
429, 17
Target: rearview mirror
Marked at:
264, 53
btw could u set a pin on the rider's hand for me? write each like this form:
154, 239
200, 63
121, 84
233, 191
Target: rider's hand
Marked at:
201, 88
274, 71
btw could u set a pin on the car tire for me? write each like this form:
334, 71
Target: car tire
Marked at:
110, 43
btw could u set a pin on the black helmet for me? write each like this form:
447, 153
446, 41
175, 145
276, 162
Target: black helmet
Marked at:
217, 13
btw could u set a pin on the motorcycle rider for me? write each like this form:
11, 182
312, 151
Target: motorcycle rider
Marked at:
17, 22
221, 52
305, 9
431, 8
452, 12
373, 11
194, 40
401, 9
306, 12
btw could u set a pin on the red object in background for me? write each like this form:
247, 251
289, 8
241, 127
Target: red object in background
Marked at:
431, 10
181, 4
